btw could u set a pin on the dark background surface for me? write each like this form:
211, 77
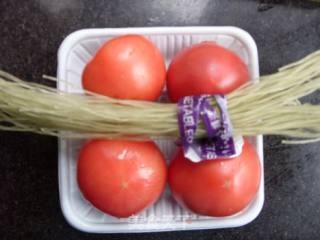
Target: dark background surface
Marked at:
30, 34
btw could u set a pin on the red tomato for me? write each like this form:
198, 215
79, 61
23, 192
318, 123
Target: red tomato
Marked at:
121, 177
126, 67
219, 187
205, 68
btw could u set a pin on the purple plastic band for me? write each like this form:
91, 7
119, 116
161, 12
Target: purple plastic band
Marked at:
188, 117
219, 143
210, 119
225, 143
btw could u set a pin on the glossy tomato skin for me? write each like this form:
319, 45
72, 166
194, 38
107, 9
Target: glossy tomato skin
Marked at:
120, 177
216, 188
126, 67
205, 68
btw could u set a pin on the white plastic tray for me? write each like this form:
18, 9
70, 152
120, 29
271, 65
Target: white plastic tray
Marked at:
166, 215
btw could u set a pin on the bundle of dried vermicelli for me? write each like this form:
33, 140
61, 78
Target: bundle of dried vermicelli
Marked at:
269, 107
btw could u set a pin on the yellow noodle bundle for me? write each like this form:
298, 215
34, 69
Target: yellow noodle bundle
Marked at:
269, 107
